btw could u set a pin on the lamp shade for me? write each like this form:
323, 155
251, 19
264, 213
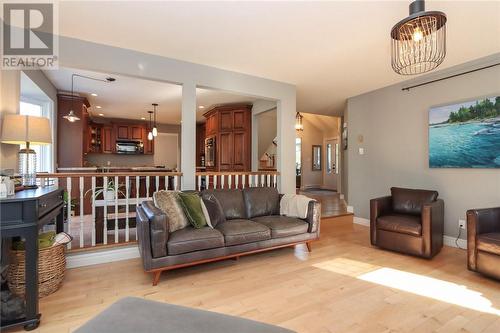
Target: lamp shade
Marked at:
18, 129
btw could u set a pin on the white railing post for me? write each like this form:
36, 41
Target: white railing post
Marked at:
137, 188
275, 181
105, 197
222, 181
147, 187
269, 180
157, 180
236, 181
215, 181
262, 180
127, 194
243, 181
68, 203
81, 210
199, 183
166, 183
116, 209
229, 181
93, 211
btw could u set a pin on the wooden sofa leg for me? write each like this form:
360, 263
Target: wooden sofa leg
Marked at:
156, 277
309, 248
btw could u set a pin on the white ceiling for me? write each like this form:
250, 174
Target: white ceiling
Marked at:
330, 50
131, 98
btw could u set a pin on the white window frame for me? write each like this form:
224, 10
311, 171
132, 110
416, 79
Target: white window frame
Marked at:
46, 160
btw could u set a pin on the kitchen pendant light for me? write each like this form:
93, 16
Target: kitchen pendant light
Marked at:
418, 42
150, 133
71, 116
298, 122
155, 130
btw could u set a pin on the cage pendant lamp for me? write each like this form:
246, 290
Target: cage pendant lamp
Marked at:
418, 42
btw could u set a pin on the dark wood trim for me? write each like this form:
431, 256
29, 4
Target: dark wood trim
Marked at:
157, 272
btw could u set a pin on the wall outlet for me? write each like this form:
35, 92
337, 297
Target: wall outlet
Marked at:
461, 224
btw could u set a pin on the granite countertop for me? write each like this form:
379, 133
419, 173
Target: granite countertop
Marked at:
113, 168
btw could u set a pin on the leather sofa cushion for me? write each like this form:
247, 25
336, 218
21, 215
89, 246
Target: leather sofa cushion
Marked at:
231, 201
190, 239
261, 201
241, 231
404, 224
283, 226
410, 201
489, 242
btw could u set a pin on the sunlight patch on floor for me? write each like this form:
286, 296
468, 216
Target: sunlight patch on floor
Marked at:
346, 266
429, 287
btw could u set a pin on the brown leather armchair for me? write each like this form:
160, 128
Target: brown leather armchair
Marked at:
408, 221
483, 241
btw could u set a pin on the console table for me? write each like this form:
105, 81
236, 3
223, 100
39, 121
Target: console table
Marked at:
22, 215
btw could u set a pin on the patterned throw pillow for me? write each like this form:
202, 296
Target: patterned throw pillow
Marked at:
191, 202
169, 203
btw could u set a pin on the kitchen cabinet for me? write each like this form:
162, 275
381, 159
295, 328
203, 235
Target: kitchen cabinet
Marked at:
135, 132
122, 132
129, 132
231, 126
200, 143
149, 145
108, 141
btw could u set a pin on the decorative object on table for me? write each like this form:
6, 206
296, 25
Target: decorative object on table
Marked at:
418, 42
299, 126
316, 158
51, 264
132, 314
28, 130
465, 135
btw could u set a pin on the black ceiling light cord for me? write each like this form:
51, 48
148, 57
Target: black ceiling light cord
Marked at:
418, 42
71, 116
150, 133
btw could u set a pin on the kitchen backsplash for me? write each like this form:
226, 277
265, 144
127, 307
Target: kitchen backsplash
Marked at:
119, 160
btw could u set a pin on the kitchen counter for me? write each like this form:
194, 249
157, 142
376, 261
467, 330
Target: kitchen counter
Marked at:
114, 169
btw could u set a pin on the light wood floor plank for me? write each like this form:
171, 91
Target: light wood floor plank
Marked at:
330, 290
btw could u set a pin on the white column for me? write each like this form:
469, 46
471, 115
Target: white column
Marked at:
286, 144
188, 136
255, 142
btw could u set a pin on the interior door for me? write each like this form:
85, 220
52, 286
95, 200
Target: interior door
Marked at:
331, 164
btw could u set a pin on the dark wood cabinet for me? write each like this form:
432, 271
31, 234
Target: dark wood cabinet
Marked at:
232, 128
135, 132
108, 141
200, 143
149, 145
122, 132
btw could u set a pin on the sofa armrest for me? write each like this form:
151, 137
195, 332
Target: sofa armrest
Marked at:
480, 221
143, 237
432, 219
158, 228
378, 207
313, 216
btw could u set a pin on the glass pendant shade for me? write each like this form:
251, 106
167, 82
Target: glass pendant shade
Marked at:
155, 131
298, 122
150, 136
418, 42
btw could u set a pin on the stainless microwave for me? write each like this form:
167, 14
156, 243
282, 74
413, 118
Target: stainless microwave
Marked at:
129, 147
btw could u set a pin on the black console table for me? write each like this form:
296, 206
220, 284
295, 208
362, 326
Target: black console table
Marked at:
23, 214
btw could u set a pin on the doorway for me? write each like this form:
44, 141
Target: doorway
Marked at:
330, 177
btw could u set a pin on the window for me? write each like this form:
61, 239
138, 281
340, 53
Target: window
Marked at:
45, 153
298, 156
329, 158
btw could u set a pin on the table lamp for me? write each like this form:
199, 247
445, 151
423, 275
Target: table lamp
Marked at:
29, 130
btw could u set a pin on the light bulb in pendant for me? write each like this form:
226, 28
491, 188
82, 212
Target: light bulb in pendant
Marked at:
150, 136
155, 131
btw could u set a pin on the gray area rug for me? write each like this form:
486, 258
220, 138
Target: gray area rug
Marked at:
133, 315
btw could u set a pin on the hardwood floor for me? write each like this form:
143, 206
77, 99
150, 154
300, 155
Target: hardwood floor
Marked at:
331, 203
343, 285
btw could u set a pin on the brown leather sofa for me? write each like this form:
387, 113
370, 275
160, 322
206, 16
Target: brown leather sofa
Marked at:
483, 241
253, 224
408, 221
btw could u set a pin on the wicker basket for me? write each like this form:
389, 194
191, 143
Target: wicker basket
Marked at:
51, 268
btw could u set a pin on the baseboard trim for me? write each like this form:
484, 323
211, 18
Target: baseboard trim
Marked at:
447, 240
450, 241
101, 256
361, 221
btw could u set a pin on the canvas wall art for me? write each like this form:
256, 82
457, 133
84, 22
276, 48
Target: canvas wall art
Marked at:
465, 135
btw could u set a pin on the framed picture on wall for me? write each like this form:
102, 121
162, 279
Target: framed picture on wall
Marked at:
466, 134
344, 136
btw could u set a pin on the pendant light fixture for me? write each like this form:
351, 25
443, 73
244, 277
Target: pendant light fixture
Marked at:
418, 41
71, 116
298, 122
155, 130
150, 133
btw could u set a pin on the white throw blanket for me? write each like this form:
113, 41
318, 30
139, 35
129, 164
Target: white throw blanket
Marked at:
294, 205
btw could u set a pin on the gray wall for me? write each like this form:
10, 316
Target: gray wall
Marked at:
394, 125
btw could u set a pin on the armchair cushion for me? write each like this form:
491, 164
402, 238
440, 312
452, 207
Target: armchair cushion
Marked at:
410, 201
241, 231
403, 224
231, 201
489, 243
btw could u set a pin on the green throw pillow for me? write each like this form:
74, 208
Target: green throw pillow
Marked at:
191, 204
